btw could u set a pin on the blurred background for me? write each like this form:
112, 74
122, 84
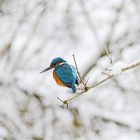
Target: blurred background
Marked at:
34, 32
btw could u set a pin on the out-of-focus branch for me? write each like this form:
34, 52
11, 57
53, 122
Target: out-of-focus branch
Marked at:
30, 34
89, 22
124, 69
107, 41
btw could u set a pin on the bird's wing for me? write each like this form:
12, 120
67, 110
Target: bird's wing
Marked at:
67, 74
77, 79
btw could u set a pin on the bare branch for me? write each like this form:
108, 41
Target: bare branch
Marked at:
64, 102
108, 55
78, 72
124, 69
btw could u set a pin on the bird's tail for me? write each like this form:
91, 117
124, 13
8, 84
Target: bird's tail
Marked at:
73, 88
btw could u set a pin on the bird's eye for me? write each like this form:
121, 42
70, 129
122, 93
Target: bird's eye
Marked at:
56, 64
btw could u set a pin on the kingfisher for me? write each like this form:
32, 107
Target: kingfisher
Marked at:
64, 73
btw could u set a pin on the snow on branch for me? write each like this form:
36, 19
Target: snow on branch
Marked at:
117, 69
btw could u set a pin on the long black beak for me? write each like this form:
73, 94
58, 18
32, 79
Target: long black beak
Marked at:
46, 69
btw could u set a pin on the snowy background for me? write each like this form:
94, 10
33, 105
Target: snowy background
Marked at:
32, 33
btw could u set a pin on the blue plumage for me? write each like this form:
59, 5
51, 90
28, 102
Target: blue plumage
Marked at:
57, 60
67, 74
64, 73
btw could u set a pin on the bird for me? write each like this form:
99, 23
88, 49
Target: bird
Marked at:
64, 73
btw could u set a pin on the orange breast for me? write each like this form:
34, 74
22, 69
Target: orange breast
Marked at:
57, 79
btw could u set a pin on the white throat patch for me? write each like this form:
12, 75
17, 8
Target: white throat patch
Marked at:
61, 63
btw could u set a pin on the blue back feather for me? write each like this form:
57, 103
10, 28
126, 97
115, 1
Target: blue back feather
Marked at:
67, 74
56, 60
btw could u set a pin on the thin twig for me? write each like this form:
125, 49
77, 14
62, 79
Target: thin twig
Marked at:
78, 72
65, 102
77, 69
108, 55
108, 69
105, 73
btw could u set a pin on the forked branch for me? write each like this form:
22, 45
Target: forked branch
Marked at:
124, 69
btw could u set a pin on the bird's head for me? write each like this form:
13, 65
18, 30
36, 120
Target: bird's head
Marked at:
55, 62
